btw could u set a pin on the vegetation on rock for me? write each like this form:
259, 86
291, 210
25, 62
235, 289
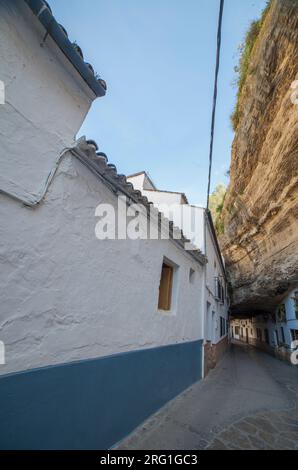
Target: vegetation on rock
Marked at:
216, 201
245, 55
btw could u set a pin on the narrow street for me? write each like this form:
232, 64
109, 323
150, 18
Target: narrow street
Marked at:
248, 402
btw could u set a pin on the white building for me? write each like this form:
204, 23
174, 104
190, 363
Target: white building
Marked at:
275, 333
197, 225
98, 334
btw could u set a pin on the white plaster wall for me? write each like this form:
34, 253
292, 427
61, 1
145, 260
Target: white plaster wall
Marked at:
140, 181
201, 236
46, 101
214, 269
66, 295
137, 181
162, 197
189, 218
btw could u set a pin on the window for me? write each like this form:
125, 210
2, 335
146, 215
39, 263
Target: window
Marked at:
276, 337
165, 287
296, 303
251, 332
281, 313
259, 334
282, 334
222, 326
294, 334
219, 290
266, 333
237, 330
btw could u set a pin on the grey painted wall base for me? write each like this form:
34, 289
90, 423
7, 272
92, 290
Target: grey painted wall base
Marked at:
93, 404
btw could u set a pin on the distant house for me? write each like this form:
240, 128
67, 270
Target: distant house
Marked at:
98, 334
275, 333
203, 237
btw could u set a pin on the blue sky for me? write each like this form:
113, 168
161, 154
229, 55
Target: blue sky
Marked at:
157, 58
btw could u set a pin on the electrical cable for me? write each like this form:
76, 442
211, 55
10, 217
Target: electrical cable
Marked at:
215, 95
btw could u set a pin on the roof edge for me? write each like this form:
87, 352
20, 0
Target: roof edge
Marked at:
44, 15
214, 236
97, 162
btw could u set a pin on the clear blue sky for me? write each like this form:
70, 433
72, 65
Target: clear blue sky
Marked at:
157, 57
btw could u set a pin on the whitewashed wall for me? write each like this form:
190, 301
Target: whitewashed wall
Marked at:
140, 181
46, 101
213, 269
65, 295
194, 224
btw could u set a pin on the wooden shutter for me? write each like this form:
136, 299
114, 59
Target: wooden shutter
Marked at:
165, 287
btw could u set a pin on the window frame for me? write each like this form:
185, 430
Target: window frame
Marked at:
169, 307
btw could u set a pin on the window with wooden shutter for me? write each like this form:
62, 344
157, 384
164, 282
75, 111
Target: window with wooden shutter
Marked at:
165, 287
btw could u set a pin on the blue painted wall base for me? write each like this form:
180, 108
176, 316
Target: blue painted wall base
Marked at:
92, 404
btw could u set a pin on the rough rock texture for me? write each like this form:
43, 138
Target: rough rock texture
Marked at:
260, 213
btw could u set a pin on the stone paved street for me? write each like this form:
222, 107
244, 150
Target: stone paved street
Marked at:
248, 402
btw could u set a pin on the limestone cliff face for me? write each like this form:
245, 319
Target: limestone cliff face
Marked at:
260, 213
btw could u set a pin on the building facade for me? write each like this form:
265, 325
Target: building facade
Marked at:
275, 333
196, 223
98, 333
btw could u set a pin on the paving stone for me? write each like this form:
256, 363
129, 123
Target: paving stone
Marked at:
265, 425
257, 443
246, 427
284, 444
217, 445
268, 438
233, 437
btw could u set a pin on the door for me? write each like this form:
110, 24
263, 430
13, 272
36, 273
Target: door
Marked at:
276, 337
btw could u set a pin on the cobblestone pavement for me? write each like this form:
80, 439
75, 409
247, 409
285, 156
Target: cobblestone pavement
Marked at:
250, 401
269, 430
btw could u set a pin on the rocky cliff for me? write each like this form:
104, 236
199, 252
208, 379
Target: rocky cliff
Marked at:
259, 220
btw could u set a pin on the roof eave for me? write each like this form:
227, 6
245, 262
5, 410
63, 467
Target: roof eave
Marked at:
54, 30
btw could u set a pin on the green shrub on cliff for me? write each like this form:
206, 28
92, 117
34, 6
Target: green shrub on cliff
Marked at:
244, 61
216, 201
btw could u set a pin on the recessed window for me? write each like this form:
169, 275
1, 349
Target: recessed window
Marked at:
296, 304
222, 327
191, 275
166, 287
294, 335
281, 313
282, 334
